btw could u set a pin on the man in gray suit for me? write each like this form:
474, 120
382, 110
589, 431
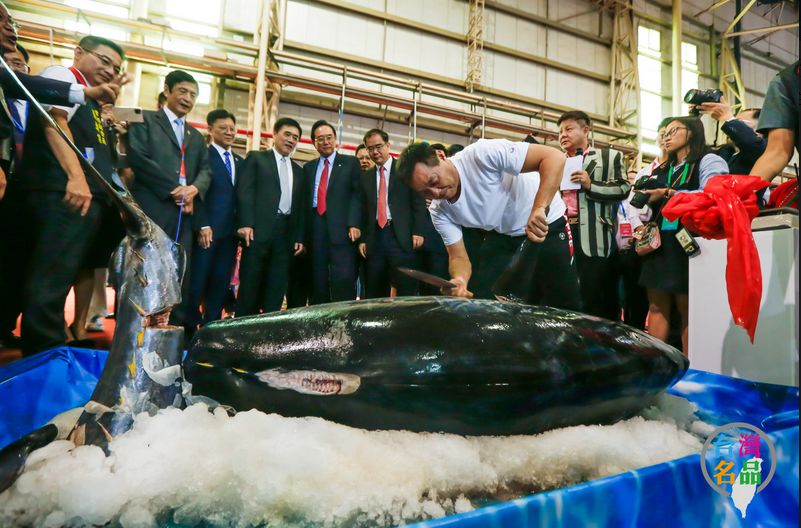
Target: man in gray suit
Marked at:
171, 168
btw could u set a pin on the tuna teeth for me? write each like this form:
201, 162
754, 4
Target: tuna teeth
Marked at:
312, 382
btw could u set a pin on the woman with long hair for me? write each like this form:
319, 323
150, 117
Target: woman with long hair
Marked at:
665, 272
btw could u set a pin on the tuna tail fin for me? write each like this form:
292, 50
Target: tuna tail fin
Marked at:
13, 456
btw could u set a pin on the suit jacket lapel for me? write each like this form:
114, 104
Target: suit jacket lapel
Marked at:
272, 165
163, 120
391, 179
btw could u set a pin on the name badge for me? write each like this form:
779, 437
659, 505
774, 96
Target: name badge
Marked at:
625, 230
89, 154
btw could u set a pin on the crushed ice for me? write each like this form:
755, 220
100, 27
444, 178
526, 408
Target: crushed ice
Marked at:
196, 466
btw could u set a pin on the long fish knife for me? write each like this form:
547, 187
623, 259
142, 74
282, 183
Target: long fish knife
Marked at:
427, 278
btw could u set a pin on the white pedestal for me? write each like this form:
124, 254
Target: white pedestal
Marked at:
716, 344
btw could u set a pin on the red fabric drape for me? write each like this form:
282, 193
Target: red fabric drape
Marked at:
724, 209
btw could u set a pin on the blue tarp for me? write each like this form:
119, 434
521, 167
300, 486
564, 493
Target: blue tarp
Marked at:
675, 493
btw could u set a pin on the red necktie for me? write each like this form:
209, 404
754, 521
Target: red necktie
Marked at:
321, 190
382, 199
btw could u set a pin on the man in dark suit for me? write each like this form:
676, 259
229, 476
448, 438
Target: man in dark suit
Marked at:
333, 202
432, 257
271, 218
393, 222
171, 169
47, 91
214, 253
65, 206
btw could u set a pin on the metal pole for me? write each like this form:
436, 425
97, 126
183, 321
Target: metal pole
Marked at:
255, 140
736, 41
341, 123
676, 48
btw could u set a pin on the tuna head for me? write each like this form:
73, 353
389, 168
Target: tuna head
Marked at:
143, 370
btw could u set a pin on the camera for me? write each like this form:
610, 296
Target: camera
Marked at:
697, 97
640, 199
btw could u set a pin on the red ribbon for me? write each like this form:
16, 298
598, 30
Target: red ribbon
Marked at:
724, 209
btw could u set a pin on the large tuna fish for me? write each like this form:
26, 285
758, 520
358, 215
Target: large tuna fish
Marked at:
433, 364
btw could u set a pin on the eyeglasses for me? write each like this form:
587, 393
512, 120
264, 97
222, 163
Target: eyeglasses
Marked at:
13, 24
105, 61
375, 148
324, 139
18, 65
672, 132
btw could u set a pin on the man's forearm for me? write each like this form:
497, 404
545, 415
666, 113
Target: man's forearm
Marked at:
460, 267
777, 154
550, 170
64, 154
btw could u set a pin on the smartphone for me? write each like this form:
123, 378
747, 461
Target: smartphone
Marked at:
128, 113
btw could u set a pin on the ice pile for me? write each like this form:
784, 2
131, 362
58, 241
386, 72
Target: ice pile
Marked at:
194, 466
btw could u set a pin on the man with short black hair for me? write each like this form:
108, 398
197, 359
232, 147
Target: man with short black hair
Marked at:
66, 206
591, 212
393, 222
491, 185
364, 157
271, 217
214, 254
170, 161
334, 205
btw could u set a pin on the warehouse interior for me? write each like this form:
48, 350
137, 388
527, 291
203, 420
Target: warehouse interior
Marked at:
430, 404
449, 71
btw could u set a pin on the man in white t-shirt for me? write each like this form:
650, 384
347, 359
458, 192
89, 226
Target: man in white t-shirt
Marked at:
491, 185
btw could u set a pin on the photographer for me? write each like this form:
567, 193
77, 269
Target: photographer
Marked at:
665, 271
741, 129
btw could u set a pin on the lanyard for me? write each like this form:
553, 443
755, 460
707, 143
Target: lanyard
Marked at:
683, 175
623, 211
18, 124
182, 175
78, 76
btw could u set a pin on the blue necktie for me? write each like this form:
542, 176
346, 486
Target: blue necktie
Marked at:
179, 131
18, 132
227, 156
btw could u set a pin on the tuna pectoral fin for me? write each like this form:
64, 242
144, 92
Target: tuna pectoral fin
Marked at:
13, 456
314, 382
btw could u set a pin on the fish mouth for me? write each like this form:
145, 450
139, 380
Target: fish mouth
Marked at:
160, 320
313, 382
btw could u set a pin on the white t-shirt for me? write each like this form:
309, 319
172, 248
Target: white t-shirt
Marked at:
61, 73
494, 196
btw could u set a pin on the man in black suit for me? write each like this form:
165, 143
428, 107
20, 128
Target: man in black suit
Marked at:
171, 169
432, 257
271, 218
393, 222
214, 253
46, 91
334, 206
65, 206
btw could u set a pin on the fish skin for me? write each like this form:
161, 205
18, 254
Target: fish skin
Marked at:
146, 271
14, 455
474, 367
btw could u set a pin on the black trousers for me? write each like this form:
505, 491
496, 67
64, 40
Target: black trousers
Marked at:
473, 238
264, 271
299, 288
210, 279
539, 274
598, 279
179, 314
333, 266
634, 296
14, 256
61, 241
384, 257
435, 263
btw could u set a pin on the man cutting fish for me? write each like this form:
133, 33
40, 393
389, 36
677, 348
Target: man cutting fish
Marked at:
492, 185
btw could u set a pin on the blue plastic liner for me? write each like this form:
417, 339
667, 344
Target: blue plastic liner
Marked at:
35, 389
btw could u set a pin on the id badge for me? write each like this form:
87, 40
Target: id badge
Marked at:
625, 230
89, 154
669, 226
